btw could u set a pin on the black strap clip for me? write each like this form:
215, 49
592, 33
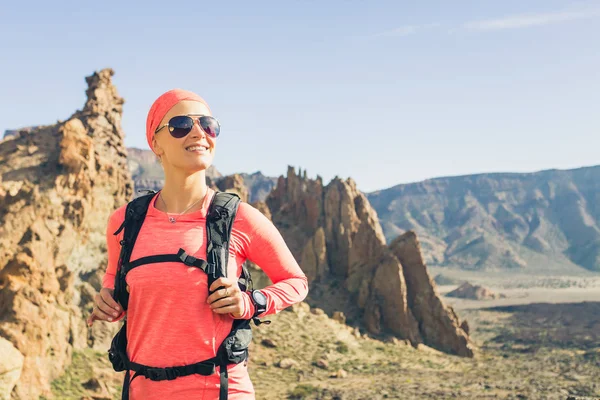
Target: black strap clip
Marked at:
186, 258
160, 374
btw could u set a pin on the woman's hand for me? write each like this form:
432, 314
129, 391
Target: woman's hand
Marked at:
228, 299
105, 307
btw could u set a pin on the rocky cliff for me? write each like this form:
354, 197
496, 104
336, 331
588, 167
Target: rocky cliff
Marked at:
58, 186
335, 235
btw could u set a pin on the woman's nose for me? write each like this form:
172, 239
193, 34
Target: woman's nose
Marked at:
197, 130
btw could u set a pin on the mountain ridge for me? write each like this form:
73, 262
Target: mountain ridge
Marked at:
499, 174
500, 220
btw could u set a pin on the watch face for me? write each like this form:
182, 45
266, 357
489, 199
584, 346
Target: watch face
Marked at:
259, 298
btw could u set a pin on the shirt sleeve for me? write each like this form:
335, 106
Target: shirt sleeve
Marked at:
113, 247
264, 246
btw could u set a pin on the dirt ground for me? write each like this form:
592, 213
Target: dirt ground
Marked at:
541, 342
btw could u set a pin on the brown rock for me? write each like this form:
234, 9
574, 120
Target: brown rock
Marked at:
314, 257
269, 343
339, 317
323, 364
54, 204
235, 184
472, 292
263, 208
340, 374
301, 308
92, 384
438, 324
287, 363
11, 365
465, 327
398, 342
388, 303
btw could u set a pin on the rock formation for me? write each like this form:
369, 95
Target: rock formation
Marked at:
335, 235
439, 325
234, 184
474, 292
58, 186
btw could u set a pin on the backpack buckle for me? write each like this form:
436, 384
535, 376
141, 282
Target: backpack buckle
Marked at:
186, 258
156, 374
161, 374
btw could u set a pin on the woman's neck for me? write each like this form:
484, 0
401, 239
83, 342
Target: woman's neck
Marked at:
180, 191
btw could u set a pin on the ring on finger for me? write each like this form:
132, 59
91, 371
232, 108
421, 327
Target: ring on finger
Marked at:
226, 292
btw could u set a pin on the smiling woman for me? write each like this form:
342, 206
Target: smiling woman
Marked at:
183, 312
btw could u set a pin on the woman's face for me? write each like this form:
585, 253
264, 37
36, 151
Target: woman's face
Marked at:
175, 152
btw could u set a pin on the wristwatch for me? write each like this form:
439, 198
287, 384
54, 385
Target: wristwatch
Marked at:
260, 302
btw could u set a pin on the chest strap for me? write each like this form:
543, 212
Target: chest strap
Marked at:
181, 256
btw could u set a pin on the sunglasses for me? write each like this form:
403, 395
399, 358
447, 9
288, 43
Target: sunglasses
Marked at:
181, 125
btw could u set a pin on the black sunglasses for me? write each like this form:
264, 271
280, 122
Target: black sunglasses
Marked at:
181, 125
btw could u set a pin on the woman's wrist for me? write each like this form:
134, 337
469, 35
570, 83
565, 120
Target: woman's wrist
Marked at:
248, 307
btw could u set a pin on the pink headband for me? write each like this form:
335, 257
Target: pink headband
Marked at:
161, 107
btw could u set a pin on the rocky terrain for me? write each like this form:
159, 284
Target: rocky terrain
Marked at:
528, 352
58, 185
548, 220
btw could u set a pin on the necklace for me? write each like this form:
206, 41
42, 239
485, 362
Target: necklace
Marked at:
173, 219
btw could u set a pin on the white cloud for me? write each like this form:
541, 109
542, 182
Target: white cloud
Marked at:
405, 30
402, 31
528, 20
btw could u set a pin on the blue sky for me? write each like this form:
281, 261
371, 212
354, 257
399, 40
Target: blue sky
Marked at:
385, 92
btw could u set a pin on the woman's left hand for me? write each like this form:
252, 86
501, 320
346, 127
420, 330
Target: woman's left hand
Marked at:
228, 299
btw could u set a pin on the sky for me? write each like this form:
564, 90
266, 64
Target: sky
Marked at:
384, 92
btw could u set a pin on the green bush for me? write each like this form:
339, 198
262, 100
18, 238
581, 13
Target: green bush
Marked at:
301, 392
342, 348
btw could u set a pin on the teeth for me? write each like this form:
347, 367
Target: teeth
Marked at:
193, 148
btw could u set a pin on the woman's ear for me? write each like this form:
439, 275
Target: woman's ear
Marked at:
156, 148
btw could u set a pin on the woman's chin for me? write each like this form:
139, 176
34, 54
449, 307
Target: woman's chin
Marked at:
197, 165
201, 164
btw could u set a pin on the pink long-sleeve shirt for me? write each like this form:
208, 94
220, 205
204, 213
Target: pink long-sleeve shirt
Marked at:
169, 321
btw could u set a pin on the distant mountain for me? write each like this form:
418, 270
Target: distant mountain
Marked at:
546, 220
259, 186
147, 173
10, 133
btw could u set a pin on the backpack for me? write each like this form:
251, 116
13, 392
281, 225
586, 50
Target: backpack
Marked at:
234, 349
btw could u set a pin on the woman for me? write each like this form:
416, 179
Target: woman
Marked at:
171, 318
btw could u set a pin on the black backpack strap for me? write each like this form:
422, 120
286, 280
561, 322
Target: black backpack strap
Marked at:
219, 222
245, 280
135, 214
